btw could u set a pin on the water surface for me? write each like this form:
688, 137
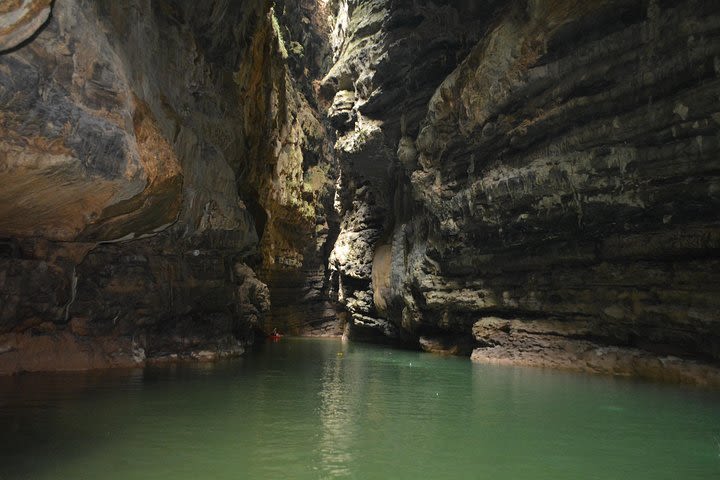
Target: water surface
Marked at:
318, 408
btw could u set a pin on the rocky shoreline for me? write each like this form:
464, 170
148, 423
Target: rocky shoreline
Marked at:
588, 357
67, 351
525, 182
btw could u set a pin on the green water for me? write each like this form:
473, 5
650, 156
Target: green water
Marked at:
311, 409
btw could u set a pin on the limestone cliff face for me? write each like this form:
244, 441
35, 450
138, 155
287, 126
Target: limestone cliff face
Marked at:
567, 171
289, 172
532, 181
556, 194
145, 149
389, 58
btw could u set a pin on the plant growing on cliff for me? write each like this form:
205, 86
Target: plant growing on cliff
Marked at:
278, 33
296, 49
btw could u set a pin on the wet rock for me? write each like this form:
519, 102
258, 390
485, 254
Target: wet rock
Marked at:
289, 170
389, 58
447, 344
539, 177
548, 351
252, 294
29, 352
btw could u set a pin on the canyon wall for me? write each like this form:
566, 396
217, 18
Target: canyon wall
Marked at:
389, 59
147, 147
568, 179
537, 181
530, 182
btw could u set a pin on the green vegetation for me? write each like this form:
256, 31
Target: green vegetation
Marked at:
278, 33
296, 49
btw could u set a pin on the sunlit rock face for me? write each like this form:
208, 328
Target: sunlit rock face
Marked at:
389, 59
288, 175
552, 164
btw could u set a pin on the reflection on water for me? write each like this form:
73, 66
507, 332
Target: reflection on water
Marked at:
317, 409
337, 417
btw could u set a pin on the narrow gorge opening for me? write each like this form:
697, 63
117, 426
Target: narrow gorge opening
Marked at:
524, 183
503, 178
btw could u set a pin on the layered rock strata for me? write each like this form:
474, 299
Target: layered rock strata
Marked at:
20, 20
533, 181
150, 154
562, 195
389, 59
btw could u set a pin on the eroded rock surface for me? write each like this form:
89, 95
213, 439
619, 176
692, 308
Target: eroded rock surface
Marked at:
389, 59
20, 20
289, 170
136, 185
535, 180
563, 175
575, 184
